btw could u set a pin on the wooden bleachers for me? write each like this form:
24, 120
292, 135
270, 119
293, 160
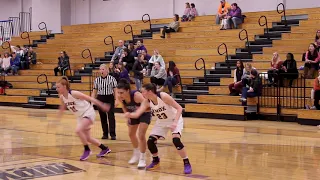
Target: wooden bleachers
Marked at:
197, 39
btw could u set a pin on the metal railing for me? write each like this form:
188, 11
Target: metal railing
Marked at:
25, 21
45, 81
245, 38
279, 93
2, 34
26, 37
6, 47
282, 11
148, 20
203, 67
14, 23
6, 30
224, 53
30, 11
43, 28
265, 24
112, 43
93, 76
88, 56
128, 32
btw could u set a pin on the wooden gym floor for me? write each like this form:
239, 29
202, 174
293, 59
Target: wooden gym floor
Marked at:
218, 149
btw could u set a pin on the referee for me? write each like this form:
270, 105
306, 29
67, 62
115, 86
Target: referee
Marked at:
105, 86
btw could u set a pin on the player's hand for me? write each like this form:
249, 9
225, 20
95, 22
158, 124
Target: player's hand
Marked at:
105, 107
127, 115
173, 126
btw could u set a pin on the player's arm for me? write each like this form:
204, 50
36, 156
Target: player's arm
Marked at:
171, 102
138, 97
82, 96
94, 93
143, 108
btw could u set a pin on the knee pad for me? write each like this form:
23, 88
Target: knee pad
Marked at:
176, 141
152, 145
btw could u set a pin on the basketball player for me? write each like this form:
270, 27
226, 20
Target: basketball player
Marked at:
130, 101
78, 104
168, 114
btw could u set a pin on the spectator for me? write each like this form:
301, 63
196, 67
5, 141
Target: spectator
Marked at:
225, 21
317, 40
236, 87
116, 56
5, 64
222, 11
123, 72
20, 52
172, 79
246, 76
15, 63
193, 12
114, 71
311, 59
32, 56
158, 74
290, 69
316, 88
147, 57
63, 64
155, 58
186, 13
173, 27
140, 48
234, 16
131, 50
275, 70
254, 88
139, 71
127, 59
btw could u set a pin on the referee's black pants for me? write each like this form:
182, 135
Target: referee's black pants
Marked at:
104, 118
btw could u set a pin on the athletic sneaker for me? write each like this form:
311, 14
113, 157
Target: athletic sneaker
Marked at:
85, 155
153, 165
187, 169
103, 153
135, 157
142, 161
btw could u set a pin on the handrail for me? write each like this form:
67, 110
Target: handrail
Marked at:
45, 27
265, 24
284, 13
246, 38
46, 81
112, 44
9, 46
28, 37
30, 11
131, 31
89, 55
145, 21
203, 67
2, 33
225, 52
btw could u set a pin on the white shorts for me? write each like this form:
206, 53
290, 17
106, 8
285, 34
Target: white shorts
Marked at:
161, 128
89, 114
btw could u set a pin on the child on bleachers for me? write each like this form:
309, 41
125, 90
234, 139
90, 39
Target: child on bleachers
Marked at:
186, 13
193, 12
5, 64
224, 21
15, 63
311, 59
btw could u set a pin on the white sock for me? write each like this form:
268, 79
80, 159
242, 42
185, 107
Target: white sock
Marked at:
142, 155
136, 150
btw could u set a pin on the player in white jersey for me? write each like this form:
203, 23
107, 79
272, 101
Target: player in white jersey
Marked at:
78, 104
168, 114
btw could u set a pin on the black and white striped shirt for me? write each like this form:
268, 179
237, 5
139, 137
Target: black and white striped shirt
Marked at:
105, 86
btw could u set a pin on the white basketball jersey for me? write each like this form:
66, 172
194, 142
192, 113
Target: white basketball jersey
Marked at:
76, 106
162, 111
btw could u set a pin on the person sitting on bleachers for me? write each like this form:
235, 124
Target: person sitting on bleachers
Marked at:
290, 69
123, 72
63, 64
222, 11
172, 79
311, 59
225, 21
193, 12
246, 76
114, 71
155, 58
117, 53
275, 70
173, 27
186, 13
127, 59
234, 16
158, 74
31, 56
131, 50
139, 71
15, 63
140, 48
316, 88
236, 87
317, 40
253, 89
5, 64
147, 57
